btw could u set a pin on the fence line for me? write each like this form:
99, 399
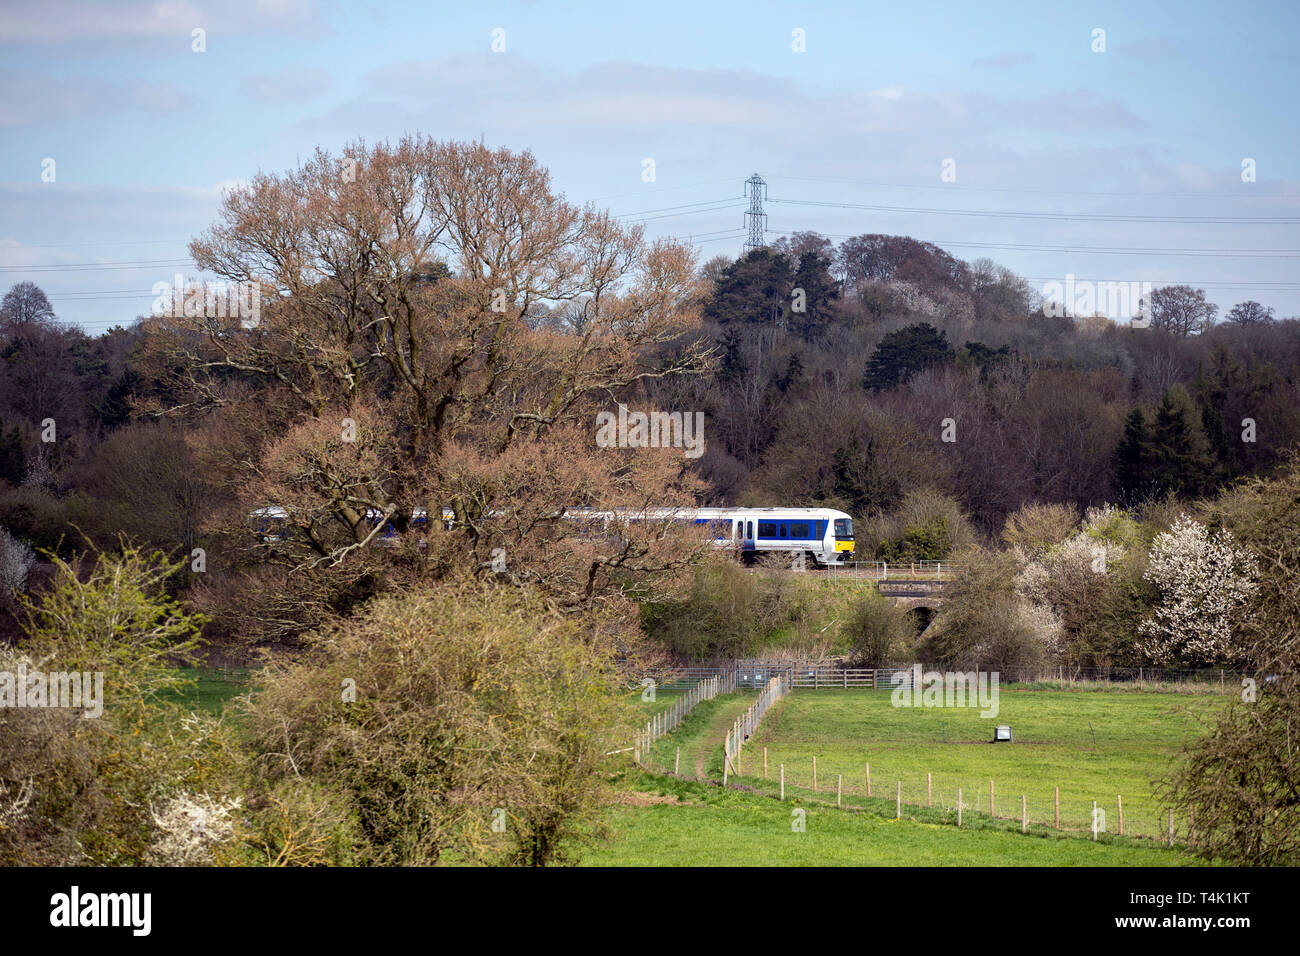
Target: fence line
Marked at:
747, 723
669, 719
897, 571
755, 673
1033, 806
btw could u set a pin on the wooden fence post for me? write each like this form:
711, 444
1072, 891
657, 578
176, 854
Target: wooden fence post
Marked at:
1119, 801
1024, 813
814, 774
898, 802
677, 762
959, 806
929, 800
1094, 820
868, 779
1058, 808
839, 790
782, 781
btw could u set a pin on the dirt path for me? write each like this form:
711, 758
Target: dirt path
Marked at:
703, 748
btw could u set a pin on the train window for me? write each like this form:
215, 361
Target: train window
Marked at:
767, 529
782, 529
750, 535
798, 529
843, 528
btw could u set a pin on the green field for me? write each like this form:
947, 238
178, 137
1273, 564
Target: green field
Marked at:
700, 825
1093, 745
212, 687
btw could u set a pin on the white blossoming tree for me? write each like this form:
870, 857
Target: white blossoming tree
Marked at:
189, 827
16, 561
1205, 582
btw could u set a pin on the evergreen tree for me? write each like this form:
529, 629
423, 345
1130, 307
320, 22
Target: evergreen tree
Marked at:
1131, 457
793, 375
12, 468
903, 353
813, 278
1181, 461
753, 290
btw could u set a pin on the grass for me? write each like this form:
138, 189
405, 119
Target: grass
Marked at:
1092, 745
213, 687
702, 825
645, 709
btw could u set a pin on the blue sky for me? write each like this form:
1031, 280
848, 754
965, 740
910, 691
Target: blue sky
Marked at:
146, 133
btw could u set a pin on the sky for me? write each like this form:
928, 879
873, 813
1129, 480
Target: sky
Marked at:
1013, 131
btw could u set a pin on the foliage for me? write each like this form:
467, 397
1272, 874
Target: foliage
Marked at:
1242, 779
470, 705
903, 353
984, 622
16, 561
1205, 581
89, 782
727, 613
925, 526
1035, 527
880, 633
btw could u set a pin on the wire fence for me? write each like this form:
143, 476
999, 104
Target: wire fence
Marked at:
824, 675
747, 723
958, 798
670, 718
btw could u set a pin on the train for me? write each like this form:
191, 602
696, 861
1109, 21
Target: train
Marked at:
820, 536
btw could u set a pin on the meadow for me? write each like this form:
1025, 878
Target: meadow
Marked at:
1093, 744
663, 821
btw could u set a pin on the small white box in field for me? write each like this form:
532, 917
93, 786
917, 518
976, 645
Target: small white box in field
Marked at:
1002, 733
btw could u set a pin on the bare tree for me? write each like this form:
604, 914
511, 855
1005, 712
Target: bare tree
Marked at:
1182, 310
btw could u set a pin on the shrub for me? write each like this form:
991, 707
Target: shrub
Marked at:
728, 612
1205, 581
880, 632
428, 717
1036, 527
78, 790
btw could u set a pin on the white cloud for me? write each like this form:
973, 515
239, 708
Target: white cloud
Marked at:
34, 99
66, 21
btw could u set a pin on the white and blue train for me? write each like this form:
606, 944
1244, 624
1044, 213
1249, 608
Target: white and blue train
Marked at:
822, 536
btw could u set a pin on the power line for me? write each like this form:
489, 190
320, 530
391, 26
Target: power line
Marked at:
950, 187
660, 189
101, 267
1119, 250
715, 205
688, 205
70, 245
1067, 217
